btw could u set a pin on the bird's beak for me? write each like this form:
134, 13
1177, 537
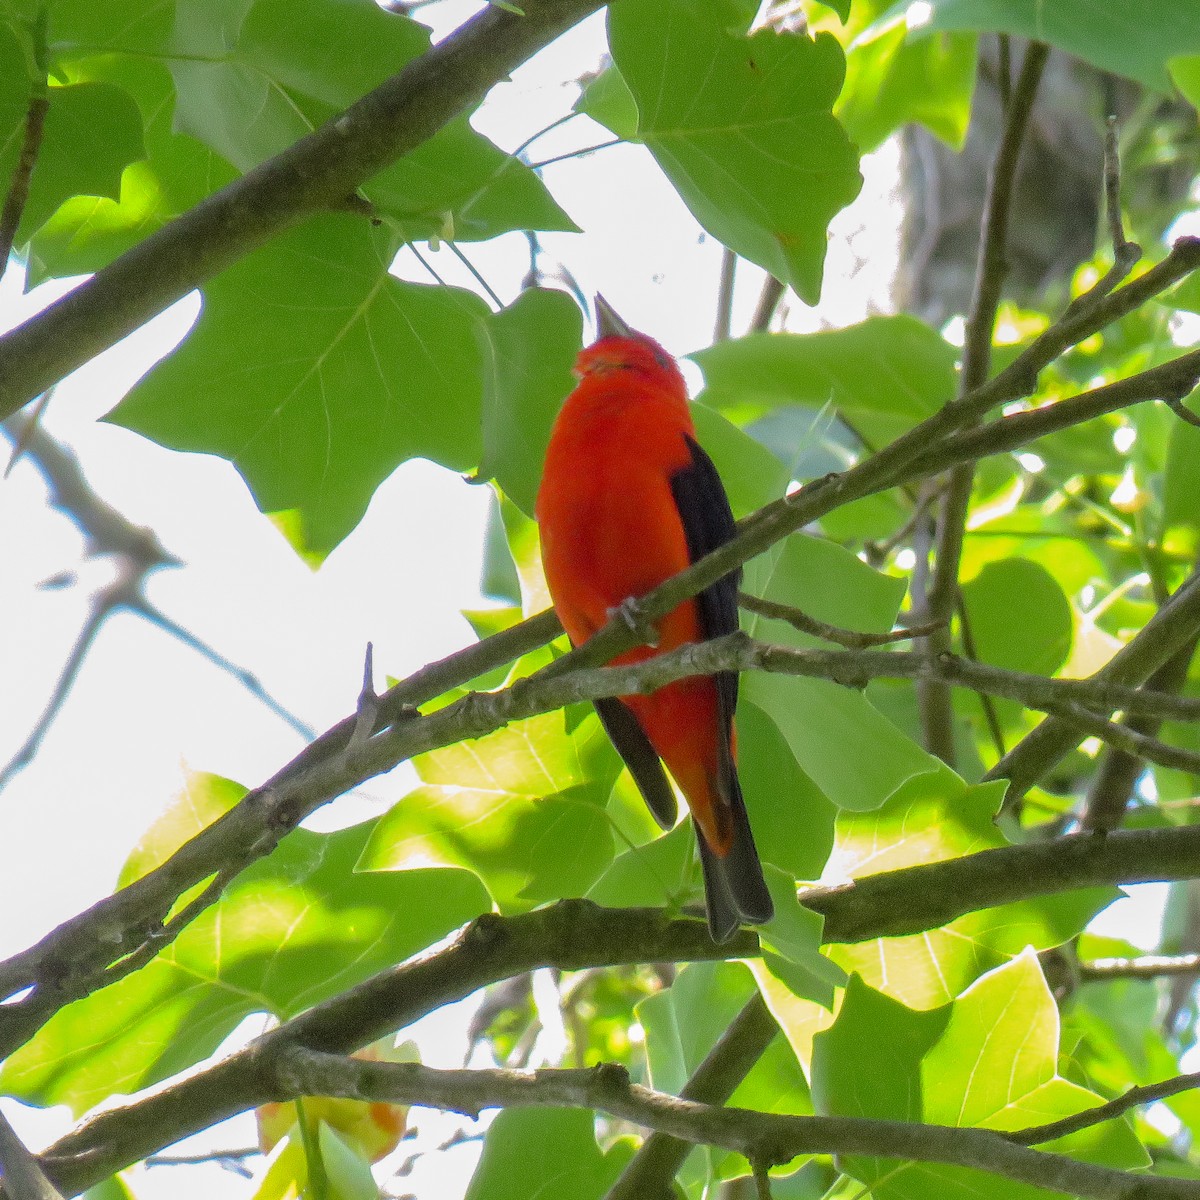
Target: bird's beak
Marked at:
608, 324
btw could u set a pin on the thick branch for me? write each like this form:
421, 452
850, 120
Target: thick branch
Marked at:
574, 935
68, 963
21, 1172
764, 1139
317, 173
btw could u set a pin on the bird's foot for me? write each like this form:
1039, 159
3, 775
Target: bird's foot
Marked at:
629, 611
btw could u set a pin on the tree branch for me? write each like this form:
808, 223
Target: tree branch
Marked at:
1174, 625
73, 960
574, 935
936, 604
1148, 966
649, 1173
316, 173
1108, 796
31, 143
764, 1139
1126, 740
1135, 1096
21, 1172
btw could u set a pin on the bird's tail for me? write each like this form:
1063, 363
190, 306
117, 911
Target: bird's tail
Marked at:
735, 891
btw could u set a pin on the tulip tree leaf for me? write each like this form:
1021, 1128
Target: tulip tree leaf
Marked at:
935, 817
523, 808
262, 76
742, 126
92, 131
955, 1066
290, 931
1133, 41
311, 369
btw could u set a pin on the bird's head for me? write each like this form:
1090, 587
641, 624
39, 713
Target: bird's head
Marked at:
620, 348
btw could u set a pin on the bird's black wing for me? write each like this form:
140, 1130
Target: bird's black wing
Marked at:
734, 886
708, 523
640, 757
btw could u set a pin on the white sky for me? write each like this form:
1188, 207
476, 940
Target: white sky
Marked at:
145, 706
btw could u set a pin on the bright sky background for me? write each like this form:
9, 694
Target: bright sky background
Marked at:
146, 707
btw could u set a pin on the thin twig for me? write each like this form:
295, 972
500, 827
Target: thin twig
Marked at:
849, 638
768, 302
724, 322
936, 603
990, 715
228, 1160
1147, 966
31, 144
1112, 187
1148, 1094
1128, 740
248, 680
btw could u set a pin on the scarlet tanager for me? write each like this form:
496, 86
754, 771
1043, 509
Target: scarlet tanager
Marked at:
628, 499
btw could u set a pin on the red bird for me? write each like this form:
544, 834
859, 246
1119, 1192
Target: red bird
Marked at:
628, 499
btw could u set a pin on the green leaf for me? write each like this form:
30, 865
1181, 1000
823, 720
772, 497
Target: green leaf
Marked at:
552, 1150
868, 1064
203, 799
893, 79
664, 872
752, 475
932, 818
608, 100
290, 931
1020, 620
792, 944
311, 369
989, 1059
114, 1188
1185, 72
528, 350
254, 85
81, 29
88, 232
523, 808
346, 1167
685, 1021
242, 67
995, 1067
742, 126
1181, 490
883, 376
91, 132
850, 751
458, 186
286, 1175
1135, 42
781, 799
